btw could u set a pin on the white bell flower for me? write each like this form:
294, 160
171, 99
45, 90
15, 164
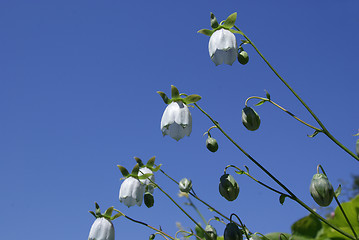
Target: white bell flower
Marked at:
176, 121
102, 229
131, 192
146, 181
223, 47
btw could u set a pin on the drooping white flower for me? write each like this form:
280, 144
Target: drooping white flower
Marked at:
223, 47
102, 229
147, 182
131, 192
176, 121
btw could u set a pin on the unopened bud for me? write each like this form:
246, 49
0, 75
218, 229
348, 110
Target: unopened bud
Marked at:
211, 233
321, 190
232, 232
243, 57
185, 185
250, 119
212, 144
228, 187
149, 200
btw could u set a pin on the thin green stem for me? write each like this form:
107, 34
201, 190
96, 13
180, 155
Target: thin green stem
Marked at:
285, 110
145, 224
324, 129
345, 216
198, 198
197, 210
261, 183
271, 176
164, 192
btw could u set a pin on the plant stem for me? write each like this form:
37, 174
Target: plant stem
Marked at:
345, 216
145, 224
325, 131
272, 177
285, 110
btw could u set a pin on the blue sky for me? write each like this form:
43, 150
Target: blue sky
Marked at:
78, 82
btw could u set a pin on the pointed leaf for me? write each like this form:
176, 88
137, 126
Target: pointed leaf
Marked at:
229, 23
108, 212
175, 92
247, 168
267, 94
282, 198
206, 32
151, 162
260, 103
308, 227
338, 191
244, 41
164, 97
135, 170
157, 168
117, 215
93, 214
236, 32
145, 176
98, 211
191, 99
314, 134
214, 23
240, 172
124, 171
139, 161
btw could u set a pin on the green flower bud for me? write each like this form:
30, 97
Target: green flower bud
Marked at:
250, 119
228, 187
185, 185
357, 147
211, 233
243, 57
149, 200
212, 144
321, 190
232, 232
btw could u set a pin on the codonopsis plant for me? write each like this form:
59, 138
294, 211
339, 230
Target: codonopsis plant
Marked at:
177, 122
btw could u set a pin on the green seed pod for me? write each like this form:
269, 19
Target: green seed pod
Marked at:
232, 232
357, 147
149, 200
211, 233
243, 57
250, 119
321, 190
185, 185
212, 144
228, 187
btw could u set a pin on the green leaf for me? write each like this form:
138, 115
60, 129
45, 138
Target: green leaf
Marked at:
175, 92
93, 214
244, 41
229, 22
98, 211
124, 171
151, 162
307, 227
260, 103
139, 161
338, 191
206, 32
276, 235
314, 134
145, 176
236, 32
135, 170
240, 172
117, 215
191, 99
157, 168
267, 94
108, 212
164, 97
214, 23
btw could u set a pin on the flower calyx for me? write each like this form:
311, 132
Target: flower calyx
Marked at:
227, 24
176, 96
107, 214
